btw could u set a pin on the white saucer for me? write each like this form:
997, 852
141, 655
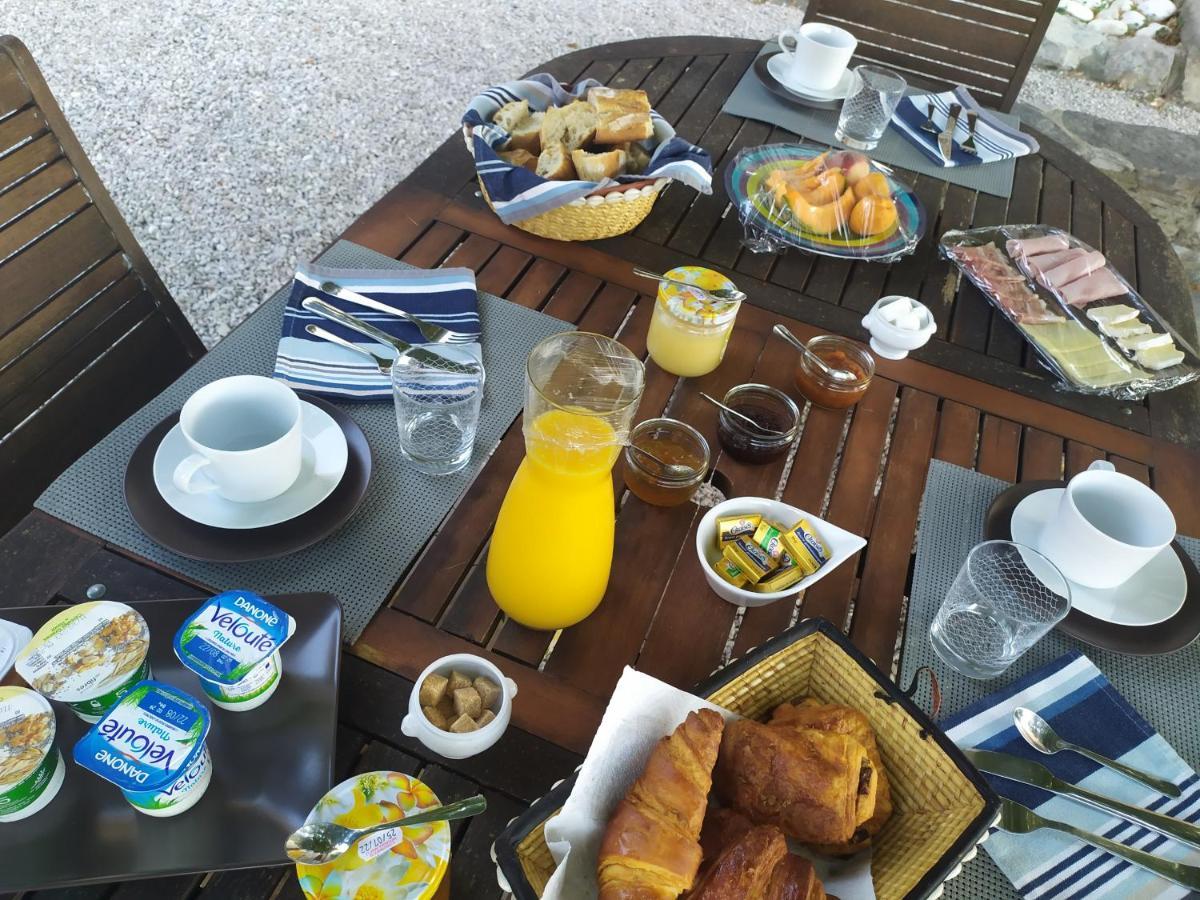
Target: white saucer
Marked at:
1151, 596
777, 66
322, 464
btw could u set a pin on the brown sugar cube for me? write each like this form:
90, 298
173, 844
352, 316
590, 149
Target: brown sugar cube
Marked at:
446, 708
433, 689
436, 719
463, 724
489, 692
458, 681
467, 702
487, 717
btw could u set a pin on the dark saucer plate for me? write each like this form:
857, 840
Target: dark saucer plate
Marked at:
771, 83
1138, 640
176, 532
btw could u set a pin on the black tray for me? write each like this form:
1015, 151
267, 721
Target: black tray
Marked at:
270, 765
1139, 640
177, 532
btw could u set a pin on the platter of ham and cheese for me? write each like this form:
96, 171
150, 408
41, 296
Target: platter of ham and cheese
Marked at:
1088, 324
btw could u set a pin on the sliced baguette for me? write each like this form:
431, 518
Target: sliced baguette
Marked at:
510, 115
621, 115
598, 166
554, 163
527, 135
520, 157
573, 125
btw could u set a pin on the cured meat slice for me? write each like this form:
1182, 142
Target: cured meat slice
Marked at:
1033, 246
1097, 286
988, 265
1072, 270
1036, 265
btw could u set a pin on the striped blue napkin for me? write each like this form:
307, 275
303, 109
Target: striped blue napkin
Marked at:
444, 297
994, 140
519, 194
1084, 708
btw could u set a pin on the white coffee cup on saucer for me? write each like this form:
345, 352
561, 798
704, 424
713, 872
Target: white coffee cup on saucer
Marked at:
1107, 527
245, 433
820, 55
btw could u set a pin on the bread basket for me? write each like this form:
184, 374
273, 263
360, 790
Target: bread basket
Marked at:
943, 806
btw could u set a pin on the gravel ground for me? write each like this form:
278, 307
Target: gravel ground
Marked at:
239, 137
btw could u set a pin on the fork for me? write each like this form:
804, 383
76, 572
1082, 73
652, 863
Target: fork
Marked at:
384, 364
928, 124
434, 334
968, 146
1018, 819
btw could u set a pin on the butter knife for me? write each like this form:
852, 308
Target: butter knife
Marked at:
946, 137
1032, 773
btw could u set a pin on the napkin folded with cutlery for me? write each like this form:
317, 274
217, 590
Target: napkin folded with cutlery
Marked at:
1085, 709
993, 139
305, 362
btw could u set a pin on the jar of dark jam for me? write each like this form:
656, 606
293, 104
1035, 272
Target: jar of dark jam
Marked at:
676, 444
769, 408
837, 353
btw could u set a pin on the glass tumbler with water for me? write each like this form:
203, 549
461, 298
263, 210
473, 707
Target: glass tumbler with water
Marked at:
437, 406
868, 109
1005, 598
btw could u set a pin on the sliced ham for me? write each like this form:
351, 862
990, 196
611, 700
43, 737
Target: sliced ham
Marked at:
1036, 265
1073, 269
1033, 246
1097, 286
1008, 288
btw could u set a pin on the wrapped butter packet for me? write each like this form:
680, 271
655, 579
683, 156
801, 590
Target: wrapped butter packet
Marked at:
232, 643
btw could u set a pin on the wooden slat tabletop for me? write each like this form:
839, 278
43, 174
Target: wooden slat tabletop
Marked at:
973, 396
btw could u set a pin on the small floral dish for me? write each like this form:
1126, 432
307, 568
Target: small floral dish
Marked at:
396, 864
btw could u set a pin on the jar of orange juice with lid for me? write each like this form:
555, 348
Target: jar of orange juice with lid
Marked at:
688, 332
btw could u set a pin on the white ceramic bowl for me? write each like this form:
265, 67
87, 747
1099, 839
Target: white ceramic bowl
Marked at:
841, 543
891, 342
448, 743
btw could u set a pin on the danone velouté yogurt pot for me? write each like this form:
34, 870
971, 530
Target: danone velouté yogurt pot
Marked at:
88, 657
31, 767
151, 746
232, 642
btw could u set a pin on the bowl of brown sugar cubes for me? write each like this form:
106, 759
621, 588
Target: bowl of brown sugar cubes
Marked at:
460, 706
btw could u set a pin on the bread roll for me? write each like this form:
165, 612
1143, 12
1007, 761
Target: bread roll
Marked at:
573, 125
510, 115
598, 166
621, 115
554, 163
522, 158
527, 135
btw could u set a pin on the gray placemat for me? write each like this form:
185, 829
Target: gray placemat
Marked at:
953, 509
751, 100
361, 562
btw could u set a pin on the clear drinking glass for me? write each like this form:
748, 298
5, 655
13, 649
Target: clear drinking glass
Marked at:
1005, 598
437, 410
866, 112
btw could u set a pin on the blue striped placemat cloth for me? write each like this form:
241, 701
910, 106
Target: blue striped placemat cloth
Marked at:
994, 140
518, 194
1084, 708
443, 297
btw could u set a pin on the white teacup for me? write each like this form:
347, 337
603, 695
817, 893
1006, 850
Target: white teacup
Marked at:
820, 55
246, 433
1107, 527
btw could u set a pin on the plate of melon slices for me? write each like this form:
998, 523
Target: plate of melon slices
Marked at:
831, 202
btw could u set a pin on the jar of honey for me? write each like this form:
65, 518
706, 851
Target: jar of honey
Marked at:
688, 332
680, 446
837, 353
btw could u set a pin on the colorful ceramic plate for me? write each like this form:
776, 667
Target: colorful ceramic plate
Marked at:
394, 864
744, 182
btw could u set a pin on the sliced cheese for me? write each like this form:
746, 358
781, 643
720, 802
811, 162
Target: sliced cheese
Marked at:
1125, 329
1118, 312
1144, 342
1062, 337
1157, 358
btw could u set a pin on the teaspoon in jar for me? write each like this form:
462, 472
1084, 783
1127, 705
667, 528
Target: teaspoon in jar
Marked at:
835, 374
745, 418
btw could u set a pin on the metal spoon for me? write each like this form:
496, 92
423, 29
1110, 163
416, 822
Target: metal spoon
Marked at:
670, 470
1040, 736
745, 418
835, 374
721, 294
321, 842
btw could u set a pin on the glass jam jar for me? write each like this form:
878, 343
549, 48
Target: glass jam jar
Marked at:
676, 444
837, 353
768, 407
688, 334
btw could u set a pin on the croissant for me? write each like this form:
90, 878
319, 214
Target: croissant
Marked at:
793, 877
815, 786
744, 868
650, 849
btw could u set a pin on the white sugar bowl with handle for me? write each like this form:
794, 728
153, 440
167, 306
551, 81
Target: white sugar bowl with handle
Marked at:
898, 325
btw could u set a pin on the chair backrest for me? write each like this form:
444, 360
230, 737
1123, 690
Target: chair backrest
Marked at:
88, 331
986, 45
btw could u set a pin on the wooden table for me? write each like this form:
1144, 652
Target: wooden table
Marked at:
973, 397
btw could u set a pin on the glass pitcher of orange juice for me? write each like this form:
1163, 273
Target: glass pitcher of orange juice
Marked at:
551, 551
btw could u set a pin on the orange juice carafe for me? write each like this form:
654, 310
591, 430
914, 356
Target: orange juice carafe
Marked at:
551, 550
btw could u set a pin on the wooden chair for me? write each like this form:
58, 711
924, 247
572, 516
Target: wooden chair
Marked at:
88, 331
986, 45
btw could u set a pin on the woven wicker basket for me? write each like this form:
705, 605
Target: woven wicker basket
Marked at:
601, 214
942, 805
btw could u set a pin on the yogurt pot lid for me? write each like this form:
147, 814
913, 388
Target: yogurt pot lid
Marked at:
27, 728
85, 649
230, 634
13, 639
147, 740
